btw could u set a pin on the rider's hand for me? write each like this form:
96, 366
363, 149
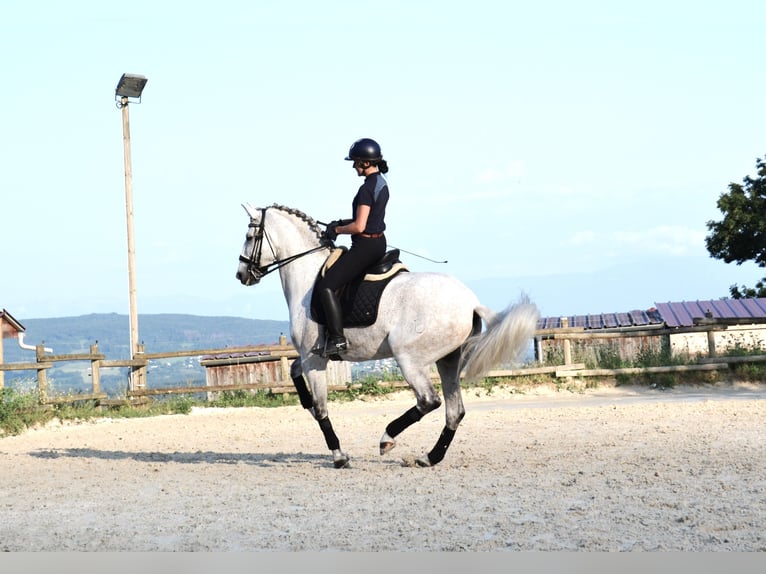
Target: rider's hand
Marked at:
330, 232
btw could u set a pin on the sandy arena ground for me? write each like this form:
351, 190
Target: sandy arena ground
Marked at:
609, 469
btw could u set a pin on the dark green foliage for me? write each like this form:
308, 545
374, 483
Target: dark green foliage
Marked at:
741, 235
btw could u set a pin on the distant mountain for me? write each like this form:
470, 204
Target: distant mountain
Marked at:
159, 333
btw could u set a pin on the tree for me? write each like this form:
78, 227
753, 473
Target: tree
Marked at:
741, 235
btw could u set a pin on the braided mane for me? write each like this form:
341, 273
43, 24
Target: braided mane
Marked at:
313, 225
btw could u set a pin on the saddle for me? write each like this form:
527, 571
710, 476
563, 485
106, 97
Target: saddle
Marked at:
360, 298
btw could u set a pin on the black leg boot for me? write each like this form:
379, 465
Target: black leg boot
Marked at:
335, 342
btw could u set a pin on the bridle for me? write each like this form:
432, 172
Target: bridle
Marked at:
254, 267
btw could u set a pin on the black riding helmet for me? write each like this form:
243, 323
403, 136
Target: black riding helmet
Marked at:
365, 149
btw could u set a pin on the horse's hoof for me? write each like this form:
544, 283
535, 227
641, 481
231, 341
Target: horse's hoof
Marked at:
423, 462
341, 460
410, 461
387, 446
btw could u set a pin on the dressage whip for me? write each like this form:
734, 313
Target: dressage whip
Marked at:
399, 248
417, 255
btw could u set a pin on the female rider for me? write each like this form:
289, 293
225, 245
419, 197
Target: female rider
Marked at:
368, 243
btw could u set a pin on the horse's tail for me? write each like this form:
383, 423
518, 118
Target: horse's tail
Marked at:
506, 337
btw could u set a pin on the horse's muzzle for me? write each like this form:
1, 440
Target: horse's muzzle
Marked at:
250, 277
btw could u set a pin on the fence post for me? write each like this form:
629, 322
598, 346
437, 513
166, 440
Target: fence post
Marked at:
139, 372
284, 366
711, 352
42, 377
95, 370
567, 343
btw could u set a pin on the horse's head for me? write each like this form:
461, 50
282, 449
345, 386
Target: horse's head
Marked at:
251, 269
291, 235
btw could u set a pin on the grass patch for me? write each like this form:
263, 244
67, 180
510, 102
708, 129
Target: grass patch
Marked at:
22, 410
750, 372
18, 411
252, 399
369, 386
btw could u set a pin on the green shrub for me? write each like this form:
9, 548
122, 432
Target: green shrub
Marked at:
18, 411
754, 372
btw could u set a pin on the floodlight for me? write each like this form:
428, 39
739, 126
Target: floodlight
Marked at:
130, 86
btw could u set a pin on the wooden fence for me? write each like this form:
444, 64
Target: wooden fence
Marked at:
569, 370
281, 352
655, 336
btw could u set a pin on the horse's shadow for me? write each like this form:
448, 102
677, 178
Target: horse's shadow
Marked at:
266, 460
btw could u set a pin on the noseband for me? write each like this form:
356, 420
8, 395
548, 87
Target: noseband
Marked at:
254, 267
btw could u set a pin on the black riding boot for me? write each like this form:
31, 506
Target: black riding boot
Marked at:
335, 342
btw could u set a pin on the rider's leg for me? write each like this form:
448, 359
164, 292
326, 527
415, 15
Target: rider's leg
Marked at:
336, 341
362, 254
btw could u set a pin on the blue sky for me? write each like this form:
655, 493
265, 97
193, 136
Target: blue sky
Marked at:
572, 151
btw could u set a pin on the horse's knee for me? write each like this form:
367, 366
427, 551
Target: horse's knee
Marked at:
429, 403
319, 411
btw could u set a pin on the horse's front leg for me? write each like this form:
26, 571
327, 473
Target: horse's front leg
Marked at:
339, 458
318, 382
296, 374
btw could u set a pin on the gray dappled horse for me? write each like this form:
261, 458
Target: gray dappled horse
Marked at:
423, 318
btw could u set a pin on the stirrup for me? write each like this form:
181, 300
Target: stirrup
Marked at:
331, 348
335, 346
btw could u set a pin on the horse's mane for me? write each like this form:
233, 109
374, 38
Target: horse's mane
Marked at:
313, 225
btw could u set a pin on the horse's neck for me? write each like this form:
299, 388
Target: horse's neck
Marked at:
298, 276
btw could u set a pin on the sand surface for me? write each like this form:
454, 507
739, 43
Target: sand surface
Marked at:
607, 469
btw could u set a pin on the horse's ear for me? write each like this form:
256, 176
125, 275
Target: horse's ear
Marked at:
251, 211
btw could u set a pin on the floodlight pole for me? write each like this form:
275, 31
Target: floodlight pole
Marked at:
137, 379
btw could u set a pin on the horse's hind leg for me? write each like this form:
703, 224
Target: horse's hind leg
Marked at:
449, 371
427, 401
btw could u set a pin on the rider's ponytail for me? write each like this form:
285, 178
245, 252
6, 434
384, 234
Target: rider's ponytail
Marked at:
382, 165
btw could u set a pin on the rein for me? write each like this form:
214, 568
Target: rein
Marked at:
254, 267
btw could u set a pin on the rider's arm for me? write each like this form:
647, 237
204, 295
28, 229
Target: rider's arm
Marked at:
358, 225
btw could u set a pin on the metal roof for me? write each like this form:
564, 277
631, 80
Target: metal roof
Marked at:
683, 314
635, 318
672, 314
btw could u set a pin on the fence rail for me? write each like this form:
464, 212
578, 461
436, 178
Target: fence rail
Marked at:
98, 361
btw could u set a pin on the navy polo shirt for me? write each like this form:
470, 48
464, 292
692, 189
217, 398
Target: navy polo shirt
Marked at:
373, 192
